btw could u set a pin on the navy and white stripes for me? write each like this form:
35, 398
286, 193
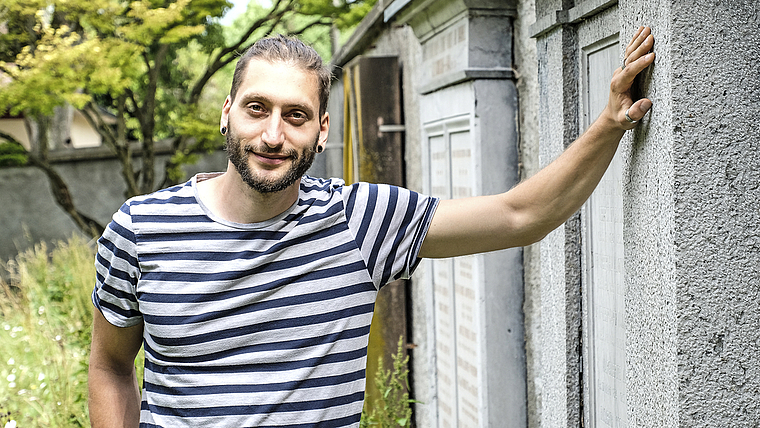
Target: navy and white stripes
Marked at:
260, 324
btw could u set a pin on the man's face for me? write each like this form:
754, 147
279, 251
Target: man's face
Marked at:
274, 125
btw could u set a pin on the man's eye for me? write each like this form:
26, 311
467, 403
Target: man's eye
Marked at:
256, 108
297, 117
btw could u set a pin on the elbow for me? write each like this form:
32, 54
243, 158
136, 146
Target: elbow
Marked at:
530, 230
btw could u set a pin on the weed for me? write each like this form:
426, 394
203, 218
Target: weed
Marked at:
393, 407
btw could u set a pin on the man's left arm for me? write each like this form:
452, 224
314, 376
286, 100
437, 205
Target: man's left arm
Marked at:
537, 206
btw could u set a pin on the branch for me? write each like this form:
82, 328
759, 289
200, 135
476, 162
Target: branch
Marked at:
226, 55
148, 125
90, 114
136, 107
63, 198
122, 150
320, 21
60, 191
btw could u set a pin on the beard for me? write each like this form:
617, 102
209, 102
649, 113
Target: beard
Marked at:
300, 162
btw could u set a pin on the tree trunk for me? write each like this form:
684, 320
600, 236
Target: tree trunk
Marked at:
61, 193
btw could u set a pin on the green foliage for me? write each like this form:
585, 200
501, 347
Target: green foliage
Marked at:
12, 154
45, 336
392, 408
345, 13
161, 68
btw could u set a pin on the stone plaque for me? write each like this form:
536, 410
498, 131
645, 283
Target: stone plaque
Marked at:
457, 302
466, 292
446, 52
443, 293
605, 286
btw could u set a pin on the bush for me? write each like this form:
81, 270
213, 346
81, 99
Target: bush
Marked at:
45, 336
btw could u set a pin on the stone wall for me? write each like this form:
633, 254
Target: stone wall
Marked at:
666, 336
31, 215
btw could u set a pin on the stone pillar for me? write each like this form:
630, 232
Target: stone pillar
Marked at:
468, 114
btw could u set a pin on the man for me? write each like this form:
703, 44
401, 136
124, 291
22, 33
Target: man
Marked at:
252, 290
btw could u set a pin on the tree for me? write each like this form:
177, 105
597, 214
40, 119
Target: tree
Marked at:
147, 63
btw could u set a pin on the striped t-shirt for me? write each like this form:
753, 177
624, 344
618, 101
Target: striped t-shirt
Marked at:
256, 325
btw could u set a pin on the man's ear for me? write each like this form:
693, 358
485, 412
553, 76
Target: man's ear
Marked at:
324, 128
225, 112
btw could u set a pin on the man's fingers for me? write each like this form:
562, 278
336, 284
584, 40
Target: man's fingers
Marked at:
641, 43
642, 49
636, 35
632, 69
639, 109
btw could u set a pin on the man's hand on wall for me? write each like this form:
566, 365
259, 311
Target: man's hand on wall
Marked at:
622, 108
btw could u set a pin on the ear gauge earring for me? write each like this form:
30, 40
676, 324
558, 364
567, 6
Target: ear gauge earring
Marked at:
223, 130
320, 149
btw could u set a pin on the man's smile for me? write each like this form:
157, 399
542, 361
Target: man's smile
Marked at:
269, 158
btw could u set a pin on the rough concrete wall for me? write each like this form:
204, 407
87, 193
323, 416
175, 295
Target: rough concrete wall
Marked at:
714, 52
692, 248
692, 251
551, 392
651, 341
526, 68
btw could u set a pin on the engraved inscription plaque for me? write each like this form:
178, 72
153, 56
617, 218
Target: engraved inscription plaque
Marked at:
605, 286
445, 52
443, 291
466, 291
456, 294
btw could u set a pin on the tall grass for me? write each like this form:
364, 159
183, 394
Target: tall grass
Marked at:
46, 318
45, 336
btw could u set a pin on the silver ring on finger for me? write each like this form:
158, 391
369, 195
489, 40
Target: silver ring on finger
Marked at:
623, 67
628, 118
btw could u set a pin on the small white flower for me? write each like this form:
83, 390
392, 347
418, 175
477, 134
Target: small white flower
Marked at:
41, 310
11, 377
11, 362
12, 385
10, 424
58, 338
41, 377
6, 327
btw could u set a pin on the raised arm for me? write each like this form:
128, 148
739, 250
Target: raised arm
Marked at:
537, 206
114, 396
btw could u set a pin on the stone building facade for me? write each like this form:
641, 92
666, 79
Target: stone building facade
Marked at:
642, 309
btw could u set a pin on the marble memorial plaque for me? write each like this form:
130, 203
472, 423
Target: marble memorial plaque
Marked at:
443, 292
446, 52
466, 292
605, 258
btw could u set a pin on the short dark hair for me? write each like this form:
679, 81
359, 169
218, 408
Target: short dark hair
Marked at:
290, 50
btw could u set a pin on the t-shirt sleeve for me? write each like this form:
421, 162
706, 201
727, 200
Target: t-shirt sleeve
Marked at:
117, 272
389, 224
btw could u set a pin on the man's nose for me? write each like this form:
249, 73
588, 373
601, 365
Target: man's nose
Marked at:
272, 135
